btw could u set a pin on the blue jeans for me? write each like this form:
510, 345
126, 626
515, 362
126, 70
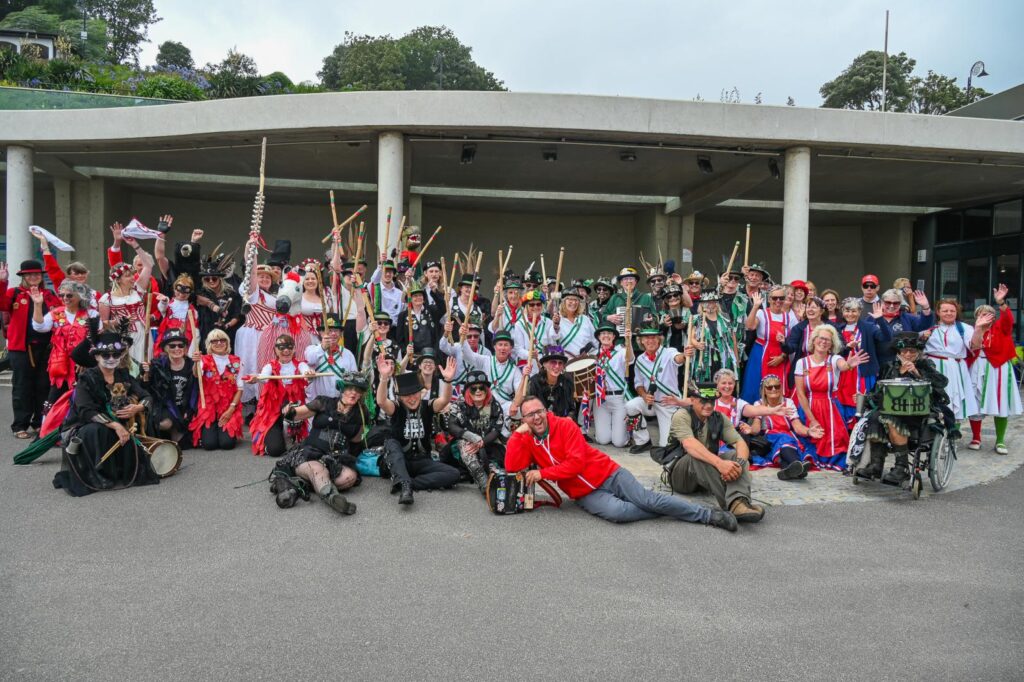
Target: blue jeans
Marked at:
622, 499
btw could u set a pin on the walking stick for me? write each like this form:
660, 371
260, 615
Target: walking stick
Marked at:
199, 365
558, 272
732, 258
387, 236
686, 370
746, 249
114, 447
339, 227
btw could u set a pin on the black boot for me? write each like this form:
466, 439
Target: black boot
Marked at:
875, 466
476, 470
336, 501
900, 471
406, 495
792, 471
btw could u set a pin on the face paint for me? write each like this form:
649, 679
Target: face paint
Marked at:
109, 363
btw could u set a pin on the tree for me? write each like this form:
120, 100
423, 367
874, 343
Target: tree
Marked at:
95, 46
427, 58
364, 63
938, 94
174, 54
33, 19
128, 23
436, 59
860, 85
236, 76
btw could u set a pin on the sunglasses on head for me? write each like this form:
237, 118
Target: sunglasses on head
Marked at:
868, 285
175, 346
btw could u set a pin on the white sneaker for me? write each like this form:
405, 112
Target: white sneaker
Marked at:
974, 445
1001, 449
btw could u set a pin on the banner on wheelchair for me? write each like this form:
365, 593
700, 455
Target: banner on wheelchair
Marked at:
903, 398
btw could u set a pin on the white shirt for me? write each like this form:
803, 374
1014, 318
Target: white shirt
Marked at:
662, 372
945, 341
287, 369
316, 358
505, 376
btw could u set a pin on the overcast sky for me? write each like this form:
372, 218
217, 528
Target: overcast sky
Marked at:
673, 50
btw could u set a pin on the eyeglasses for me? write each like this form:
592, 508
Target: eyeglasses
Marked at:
284, 346
773, 387
218, 341
175, 346
478, 389
535, 414
657, 280
777, 298
890, 303
67, 296
472, 336
186, 290
735, 278
868, 285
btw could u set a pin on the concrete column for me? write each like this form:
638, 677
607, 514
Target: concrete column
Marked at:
390, 186
796, 213
688, 225
62, 208
19, 206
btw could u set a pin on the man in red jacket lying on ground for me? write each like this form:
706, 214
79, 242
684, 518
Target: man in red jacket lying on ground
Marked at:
590, 477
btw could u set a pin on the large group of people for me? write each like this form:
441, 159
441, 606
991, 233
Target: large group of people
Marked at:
338, 372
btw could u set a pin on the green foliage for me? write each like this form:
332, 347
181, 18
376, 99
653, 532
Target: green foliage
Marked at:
169, 87
235, 76
35, 19
860, 87
8, 7
426, 58
128, 23
172, 53
94, 48
65, 9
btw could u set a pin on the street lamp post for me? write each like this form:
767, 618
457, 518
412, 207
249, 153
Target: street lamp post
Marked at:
438, 66
977, 71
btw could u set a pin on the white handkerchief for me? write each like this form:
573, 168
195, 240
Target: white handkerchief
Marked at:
54, 240
137, 230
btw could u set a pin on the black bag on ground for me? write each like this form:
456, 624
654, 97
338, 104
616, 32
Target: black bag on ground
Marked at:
509, 494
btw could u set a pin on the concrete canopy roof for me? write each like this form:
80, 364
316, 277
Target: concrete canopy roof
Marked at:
328, 139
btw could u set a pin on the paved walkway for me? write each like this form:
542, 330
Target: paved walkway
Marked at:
973, 467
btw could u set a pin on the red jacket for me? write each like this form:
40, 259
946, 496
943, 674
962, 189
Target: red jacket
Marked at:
564, 457
18, 303
998, 341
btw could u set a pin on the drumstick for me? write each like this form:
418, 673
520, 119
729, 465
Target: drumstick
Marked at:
746, 249
348, 309
113, 448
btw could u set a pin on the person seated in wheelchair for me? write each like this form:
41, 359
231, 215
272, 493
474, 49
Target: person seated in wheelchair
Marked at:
897, 430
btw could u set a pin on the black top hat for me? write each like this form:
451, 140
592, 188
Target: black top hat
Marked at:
476, 378
428, 354
907, 340
534, 277
408, 383
513, 281
431, 264
172, 335
281, 254
107, 342
466, 280
30, 267
553, 353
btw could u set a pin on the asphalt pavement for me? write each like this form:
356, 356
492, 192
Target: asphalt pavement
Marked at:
197, 579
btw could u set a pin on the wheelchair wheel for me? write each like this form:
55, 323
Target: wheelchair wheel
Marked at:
915, 486
941, 461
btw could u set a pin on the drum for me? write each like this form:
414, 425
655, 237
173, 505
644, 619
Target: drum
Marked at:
583, 371
164, 455
905, 398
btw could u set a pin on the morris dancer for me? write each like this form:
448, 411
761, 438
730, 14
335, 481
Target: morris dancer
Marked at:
500, 368
475, 424
993, 376
260, 312
572, 325
271, 433
329, 356
126, 299
766, 357
656, 379
947, 345
171, 380
70, 325
534, 331
177, 313
217, 424
552, 385
784, 431
713, 340
611, 391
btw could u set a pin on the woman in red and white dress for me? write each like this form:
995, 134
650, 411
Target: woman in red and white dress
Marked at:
995, 382
69, 324
126, 298
316, 300
217, 424
176, 313
767, 357
271, 434
260, 312
817, 381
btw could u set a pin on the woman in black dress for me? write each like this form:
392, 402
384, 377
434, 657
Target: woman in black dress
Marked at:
326, 459
171, 380
107, 400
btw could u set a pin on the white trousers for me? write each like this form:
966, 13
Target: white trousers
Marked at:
610, 422
662, 412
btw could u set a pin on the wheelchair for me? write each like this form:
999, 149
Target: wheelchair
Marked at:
931, 451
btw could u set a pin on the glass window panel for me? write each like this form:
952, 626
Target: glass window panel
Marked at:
947, 227
977, 223
976, 279
949, 279
1007, 217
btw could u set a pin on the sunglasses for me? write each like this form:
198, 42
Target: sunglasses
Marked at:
472, 336
109, 354
890, 303
773, 387
185, 290
218, 341
68, 296
537, 304
175, 346
778, 298
869, 285
657, 281
382, 323
673, 297
735, 278
477, 389
284, 346
211, 278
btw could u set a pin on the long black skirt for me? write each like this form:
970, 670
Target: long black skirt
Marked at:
82, 475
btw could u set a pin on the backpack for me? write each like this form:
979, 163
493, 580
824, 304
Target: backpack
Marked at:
508, 494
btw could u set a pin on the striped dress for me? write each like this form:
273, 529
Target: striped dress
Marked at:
947, 348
